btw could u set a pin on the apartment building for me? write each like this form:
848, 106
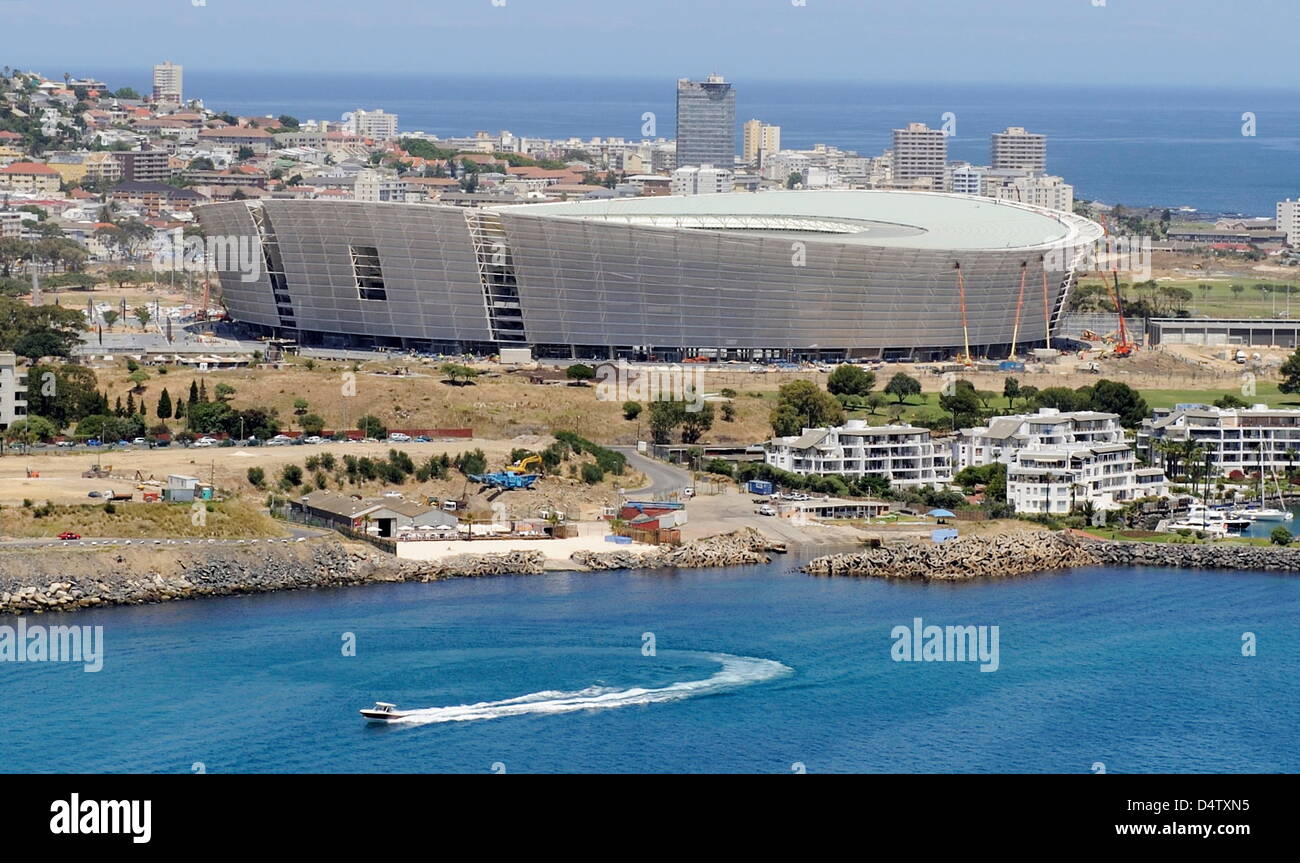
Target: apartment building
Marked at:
378, 125
1057, 480
760, 141
146, 166
1016, 148
1233, 439
920, 153
963, 178
1005, 436
1036, 190
1288, 221
702, 180
167, 83
29, 177
903, 454
13, 390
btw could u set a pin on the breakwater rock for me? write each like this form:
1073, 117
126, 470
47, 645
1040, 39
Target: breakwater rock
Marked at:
728, 549
962, 559
67, 580
1197, 556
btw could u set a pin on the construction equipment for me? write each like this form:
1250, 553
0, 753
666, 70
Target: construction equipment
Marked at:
1124, 346
965, 358
504, 480
97, 471
524, 464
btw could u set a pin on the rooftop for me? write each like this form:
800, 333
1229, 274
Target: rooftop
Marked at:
916, 220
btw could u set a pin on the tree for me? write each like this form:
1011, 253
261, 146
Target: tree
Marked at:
164, 405
194, 392
371, 426
1119, 398
142, 315
300, 406
963, 404
902, 385
580, 372
850, 380
1011, 391
631, 410
696, 423
225, 392
31, 428
312, 424
875, 402
665, 416
257, 477
801, 405
458, 374
137, 379
1290, 372
1280, 536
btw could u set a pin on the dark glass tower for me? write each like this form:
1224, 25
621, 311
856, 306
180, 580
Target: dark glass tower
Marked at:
706, 123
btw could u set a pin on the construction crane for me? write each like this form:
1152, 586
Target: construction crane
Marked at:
1125, 346
1020, 304
965, 358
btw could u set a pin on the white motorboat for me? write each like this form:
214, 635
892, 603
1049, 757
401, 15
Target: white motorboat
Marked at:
1200, 515
1267, 513
1210, 528
382, 712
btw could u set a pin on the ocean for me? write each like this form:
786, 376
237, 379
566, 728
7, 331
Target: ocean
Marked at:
1136, 146
749, 669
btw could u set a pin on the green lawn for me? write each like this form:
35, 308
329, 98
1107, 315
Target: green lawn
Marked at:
1220, 301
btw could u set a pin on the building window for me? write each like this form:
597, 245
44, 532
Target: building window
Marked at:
369, 276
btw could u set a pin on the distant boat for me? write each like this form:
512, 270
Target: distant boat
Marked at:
382, 712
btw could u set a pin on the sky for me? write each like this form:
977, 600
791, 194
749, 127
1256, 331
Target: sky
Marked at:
1247, 43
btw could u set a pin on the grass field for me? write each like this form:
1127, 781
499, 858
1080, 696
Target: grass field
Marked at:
221, 520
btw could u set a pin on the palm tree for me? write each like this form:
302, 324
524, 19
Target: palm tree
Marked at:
1290, 456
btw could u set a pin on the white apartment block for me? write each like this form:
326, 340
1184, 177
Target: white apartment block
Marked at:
760, 141
1037, 190
905, 455
1238, 439
167, 83
13, 390
1004, 436
779, 166
702, 180
920, 153
367, 186
1016, 148
965, 179
1057, 480
377, 124
1288, 221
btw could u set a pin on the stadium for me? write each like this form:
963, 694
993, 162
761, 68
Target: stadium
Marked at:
792, 274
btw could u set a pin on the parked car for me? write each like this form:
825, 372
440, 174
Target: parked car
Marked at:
421, 439
139, 441
314, 439
67, 443
67, 534
766, 509
398, 437
205, 442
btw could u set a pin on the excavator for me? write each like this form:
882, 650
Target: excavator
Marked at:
524, 464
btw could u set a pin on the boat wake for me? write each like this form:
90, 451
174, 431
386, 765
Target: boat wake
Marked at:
736, 672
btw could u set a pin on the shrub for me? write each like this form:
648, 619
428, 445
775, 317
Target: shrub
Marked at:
256, 477
1280, 536
592, 473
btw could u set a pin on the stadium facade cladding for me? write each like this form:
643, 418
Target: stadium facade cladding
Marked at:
778, 274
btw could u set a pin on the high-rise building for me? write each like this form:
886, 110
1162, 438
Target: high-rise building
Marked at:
167, 83
1016, 148
706, 122
920, 153
1288, 220
377, 124
761, 140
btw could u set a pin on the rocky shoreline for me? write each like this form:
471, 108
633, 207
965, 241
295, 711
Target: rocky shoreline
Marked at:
729, 549
1030, 552
960, 559
69, 580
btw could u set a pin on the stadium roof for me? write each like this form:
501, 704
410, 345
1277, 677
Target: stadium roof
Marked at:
916, 220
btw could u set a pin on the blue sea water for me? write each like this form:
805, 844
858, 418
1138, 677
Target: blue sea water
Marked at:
754, 669
1134, 145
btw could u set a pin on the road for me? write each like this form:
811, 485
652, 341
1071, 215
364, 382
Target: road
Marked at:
664, 478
